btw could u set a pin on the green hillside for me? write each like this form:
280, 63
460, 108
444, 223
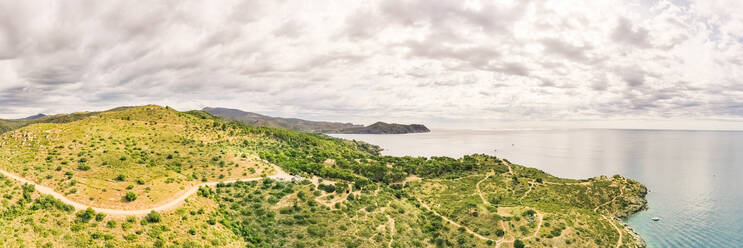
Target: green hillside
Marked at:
351, 196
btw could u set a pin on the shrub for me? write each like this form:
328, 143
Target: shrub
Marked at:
518, 244
83, 167
130, 196
120, 177
153, 217
529, 212
85, 215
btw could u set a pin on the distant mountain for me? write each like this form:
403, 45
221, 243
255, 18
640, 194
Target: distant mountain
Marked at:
388, 128
33, 117
288, 123
314, 126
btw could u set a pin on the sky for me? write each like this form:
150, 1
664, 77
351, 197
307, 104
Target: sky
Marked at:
448, 64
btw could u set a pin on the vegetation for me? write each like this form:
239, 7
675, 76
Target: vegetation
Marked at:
352, 195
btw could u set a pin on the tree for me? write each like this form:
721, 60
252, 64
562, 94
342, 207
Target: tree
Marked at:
130, 196
85, 215
153, 217
518, 244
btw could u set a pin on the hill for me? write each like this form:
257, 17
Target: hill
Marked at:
288, 123
387, 128
314, 126
7, 125
344, 194
32, 117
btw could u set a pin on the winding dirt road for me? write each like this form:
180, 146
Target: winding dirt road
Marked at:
172, 204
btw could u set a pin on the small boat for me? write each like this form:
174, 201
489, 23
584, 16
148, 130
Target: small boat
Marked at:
655, 218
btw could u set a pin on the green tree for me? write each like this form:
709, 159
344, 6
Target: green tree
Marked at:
130, 196
153, 217
85, 215
518, 244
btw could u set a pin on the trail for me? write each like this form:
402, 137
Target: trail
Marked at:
621, 193
531, 186
280, 175
452, 222
510, 171
619, 242
478, 187
392, 231
539, 226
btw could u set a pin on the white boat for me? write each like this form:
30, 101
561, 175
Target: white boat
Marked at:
655, 218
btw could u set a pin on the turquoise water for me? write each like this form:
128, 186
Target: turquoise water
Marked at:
695, 178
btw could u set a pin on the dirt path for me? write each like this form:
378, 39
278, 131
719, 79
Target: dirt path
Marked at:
531, 186
477, 186
621, 193
619, 242
392, 231
539, 226
510, 171
280, 175
452, 222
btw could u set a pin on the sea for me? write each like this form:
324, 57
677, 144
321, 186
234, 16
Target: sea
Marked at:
694, 178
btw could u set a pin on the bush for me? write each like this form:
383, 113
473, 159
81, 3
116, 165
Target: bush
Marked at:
529, 212
120, 177
327, 187
83, 167
85, 215
99, 217
153, 217
130, 196
518, 244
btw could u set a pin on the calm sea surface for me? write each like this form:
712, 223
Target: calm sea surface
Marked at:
695, 178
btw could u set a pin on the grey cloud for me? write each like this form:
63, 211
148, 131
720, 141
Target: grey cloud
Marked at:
476, 57
516, 69
362, 24
491, 18
567, 50
634, 77
625, 32
599, 82
290, 29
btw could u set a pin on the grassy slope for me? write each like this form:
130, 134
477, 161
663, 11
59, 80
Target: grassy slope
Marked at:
97, 160
294, 214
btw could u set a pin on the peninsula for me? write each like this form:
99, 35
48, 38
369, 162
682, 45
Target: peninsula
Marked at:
151, 176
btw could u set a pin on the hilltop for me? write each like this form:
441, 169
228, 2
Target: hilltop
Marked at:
342, 193
314, 126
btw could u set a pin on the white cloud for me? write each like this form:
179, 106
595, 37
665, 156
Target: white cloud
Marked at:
476, 62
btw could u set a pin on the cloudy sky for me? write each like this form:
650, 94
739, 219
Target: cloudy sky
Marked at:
449, 64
